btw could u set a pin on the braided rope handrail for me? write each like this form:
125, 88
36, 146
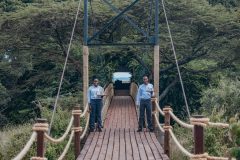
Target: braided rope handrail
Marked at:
158, 124
158, 108
38, 158
204, 122
67, 146
86, 109
222, 125
216, 158
182, 149
193, 156
27, 147
85, 128
180, 122
58, 140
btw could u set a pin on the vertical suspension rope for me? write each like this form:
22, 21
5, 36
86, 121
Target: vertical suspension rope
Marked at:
64, 67
176, 60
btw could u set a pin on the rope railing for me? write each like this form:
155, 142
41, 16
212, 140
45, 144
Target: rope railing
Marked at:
27, 147
85, 128
40, 132
205, 122
190, 155
196, 124
180, 147
158, 124
67, 146
158, 107
62, 138
180, 122
86, 111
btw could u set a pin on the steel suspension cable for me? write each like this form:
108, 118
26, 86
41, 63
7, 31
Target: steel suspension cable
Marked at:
176, 60
64, 67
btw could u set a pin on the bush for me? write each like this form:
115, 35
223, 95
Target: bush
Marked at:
13, 138
235, 134
224, 97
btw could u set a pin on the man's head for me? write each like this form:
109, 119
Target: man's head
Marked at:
95, 81
145, 79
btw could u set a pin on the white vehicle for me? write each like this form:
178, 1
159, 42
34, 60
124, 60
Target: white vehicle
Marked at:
124, 77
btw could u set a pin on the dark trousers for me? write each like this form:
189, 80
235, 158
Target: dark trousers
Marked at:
145, 105
96, 113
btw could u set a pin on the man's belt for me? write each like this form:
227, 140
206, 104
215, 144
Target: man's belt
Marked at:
146, 99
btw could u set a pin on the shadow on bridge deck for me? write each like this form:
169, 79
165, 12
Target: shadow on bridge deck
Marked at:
119, 139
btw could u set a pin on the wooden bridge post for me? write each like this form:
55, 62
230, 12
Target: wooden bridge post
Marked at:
85, 74
77, 130
154, 110
167, 124
198, 137
40, 136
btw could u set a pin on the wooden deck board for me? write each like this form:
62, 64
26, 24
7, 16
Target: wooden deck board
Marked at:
135, 150
110, 145
116, 148
86, 146
98, 146
92, 147
129, 150
155, 151
140, 146
122, 155
119, 140
104, 147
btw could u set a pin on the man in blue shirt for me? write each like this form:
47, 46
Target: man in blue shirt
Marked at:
143, 100
95, 95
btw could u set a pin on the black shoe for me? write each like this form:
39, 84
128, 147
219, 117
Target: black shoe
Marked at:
99, 129
139, 130
151, 129
91, 130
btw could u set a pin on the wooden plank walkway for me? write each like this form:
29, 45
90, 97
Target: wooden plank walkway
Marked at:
119, 139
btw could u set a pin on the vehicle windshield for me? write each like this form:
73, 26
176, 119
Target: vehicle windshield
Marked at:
124, 77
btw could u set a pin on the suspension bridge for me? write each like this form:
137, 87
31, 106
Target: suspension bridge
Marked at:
119, 139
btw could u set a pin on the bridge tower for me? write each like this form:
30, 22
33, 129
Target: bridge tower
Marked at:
150, 36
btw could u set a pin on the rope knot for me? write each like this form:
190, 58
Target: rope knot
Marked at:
153, 99
77, 129
167, 109
166, 128
76, 112
38, 158
154, 112
200, 121
40, 127
203, 156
